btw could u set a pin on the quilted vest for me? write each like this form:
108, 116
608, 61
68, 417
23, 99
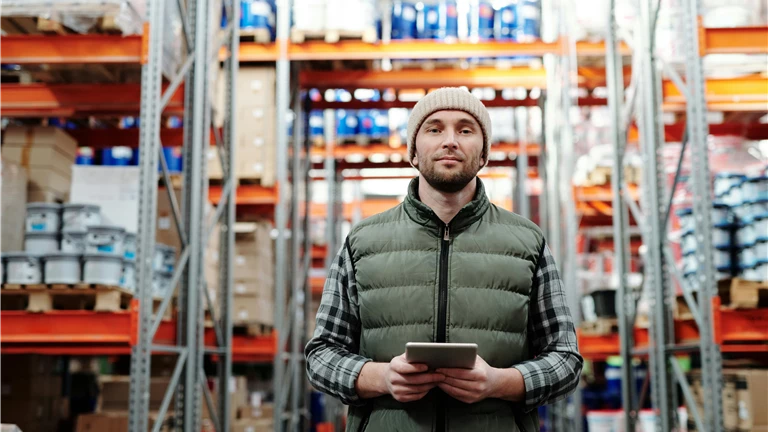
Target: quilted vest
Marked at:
420, 280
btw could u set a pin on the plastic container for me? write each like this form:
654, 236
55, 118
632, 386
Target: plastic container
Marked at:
102, 268
732, 197
721, 213
761, 270
161, 283
480, 23
73, 241
346, 124
725, 181
174, 160
721, 235
761, 249
685, 216
22, 268
751, 272
165, 258
647, 421
62, 268
78, 217
688, 242
690, 263
84, 156
256, 14
41, 243
505, 22
605, 303
438, 19
316, 123
129, 246
604, 421
43, 217
528, 20
747, 255
760, 223
380, 125
722, 257
758, 207
724, 272
105, 238
755, 188
117, 156
128, 277
403, 20
746, 233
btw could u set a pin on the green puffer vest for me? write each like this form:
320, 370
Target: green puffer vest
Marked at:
419, 280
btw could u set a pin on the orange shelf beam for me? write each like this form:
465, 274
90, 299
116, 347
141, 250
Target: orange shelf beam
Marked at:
71, 49
740, 40
724, 94
71, 100
247, 195
111, 137
345, 150
418, 79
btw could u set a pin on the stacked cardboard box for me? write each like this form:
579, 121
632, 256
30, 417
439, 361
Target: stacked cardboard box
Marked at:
256, 125
31, 392
744, 393
253, 274
112, 422
114, 392
13, 214
47, 155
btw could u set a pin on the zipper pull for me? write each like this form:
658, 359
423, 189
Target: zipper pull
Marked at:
447, 233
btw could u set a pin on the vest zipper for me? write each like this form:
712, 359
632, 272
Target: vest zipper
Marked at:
442, 312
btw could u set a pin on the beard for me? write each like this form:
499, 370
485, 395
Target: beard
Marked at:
450, 180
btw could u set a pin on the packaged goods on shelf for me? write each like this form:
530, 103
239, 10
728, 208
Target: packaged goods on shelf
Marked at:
114, 391
255, 143
113, 421
114, 189
743, 397
333, 19
14, 196
257, 19
31, 392
47, 155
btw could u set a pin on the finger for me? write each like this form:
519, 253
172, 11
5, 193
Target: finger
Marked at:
464, 374
457, 393
399, 365
472, 386
411, 397
408, 389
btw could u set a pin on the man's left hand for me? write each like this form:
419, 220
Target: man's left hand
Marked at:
470, 385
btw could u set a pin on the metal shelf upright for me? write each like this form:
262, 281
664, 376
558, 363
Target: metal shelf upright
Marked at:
190, 220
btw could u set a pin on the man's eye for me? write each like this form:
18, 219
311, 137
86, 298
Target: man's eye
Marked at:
433, 130
466, 131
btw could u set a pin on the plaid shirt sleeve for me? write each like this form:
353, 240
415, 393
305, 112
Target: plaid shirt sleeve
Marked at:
554, 372
333, 364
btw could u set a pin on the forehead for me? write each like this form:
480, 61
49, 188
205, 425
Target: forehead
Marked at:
451, 116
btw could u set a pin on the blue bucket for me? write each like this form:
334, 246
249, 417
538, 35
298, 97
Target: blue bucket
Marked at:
505, 22
528, 20
403, 20
84, 156
380, 124
117, 156
365, 123
347, 124
439, 20
173, 158
316, 124
481, 20
256, 14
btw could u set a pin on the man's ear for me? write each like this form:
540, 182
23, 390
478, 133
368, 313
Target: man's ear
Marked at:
415, 160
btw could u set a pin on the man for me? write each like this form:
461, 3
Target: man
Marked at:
445, 265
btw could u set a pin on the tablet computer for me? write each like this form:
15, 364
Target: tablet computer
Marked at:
441, 355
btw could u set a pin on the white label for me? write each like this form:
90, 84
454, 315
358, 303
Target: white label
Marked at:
256, 85
240, 260
432, 17
164, 223
351, 121
240, 288
257, 113
243, 315
743, 410
409, 14
258, 141
257, 168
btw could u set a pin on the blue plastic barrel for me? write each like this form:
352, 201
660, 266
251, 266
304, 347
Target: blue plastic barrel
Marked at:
438, 20
84, 156
380, 124
403, 20
365, 123
481, 20
173, 159
505, 21
117, 156
528, 20
347, 123
316, 124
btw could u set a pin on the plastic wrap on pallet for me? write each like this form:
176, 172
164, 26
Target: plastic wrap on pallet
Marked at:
82, 15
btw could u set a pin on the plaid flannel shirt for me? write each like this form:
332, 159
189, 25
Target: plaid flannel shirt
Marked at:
333, 362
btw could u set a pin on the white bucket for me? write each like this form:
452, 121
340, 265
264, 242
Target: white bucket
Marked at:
105, 239
761, 270
604, 421
690, 263
746, 234
129, 246
722, 257
161, 283
647, 421
688, 242
755, 188
751, 273
165, 258
720, 213
103, 269
687, 222
128, 278
78, 217
759, 207
760, 223
761, 250
41, 243
43, 217
721, 235
22, 268
725, 181
73, 241
62, 268
747, 256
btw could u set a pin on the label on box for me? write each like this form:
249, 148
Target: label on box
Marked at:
258, 113
164, 223
240, 288
240, 260
256, 85
258, 141
243, 315
105, 248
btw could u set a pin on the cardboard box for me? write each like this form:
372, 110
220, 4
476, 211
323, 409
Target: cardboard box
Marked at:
255, 85
31, 415
115, 391
165, 230
27, 366
13, 199
111, 422
752, 388
252, 425
114, 189
250, 309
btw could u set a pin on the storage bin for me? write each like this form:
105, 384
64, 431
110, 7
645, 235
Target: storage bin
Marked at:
721, 235
403, 20
128, 277
165, 258
43, 217
62, 268
129, 246
22, 268
721, 213
78, 217
105, 239
41, 243
755, 188
102, 268
725, 181
688, 242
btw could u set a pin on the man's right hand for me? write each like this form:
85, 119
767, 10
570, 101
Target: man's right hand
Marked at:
408, 382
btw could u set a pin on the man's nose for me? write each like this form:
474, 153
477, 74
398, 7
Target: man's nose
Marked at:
450, 141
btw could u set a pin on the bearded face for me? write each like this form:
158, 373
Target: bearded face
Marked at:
449, 150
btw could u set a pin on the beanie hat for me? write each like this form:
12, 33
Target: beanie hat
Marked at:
448, 98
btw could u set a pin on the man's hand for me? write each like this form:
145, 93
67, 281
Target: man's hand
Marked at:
482, 382
408, 382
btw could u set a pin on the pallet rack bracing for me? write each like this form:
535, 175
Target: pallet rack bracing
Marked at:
188, 380
645, 91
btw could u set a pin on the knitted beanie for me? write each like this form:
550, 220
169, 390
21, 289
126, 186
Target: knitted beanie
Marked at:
448, 98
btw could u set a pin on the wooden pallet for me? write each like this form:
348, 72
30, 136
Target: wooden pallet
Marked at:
17, 25
252, 329
743, 294
260, 35
367, 35
600, 327
48, 297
